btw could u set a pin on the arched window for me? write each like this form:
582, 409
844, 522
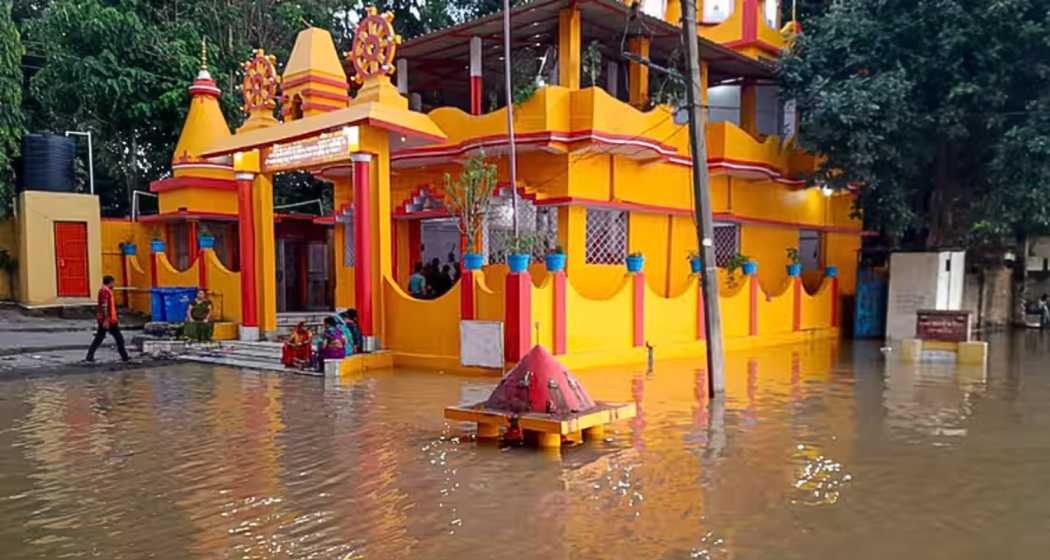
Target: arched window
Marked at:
538, 222
771, 12
717, 11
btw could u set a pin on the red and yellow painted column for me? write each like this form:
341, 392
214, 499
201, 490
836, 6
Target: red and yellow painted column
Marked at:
475, 76
517, 337
638, 330
246, 238
363, 231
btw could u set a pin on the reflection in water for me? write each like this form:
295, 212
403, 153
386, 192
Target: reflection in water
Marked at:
815, 451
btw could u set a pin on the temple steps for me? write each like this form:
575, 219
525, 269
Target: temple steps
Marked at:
251, 355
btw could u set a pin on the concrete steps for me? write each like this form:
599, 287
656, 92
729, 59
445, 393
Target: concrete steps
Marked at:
251, 355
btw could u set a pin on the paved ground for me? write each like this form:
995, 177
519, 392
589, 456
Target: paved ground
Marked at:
32, 342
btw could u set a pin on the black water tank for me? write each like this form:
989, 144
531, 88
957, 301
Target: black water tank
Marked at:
47, 163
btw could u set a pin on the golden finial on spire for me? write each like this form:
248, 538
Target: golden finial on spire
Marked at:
204, 53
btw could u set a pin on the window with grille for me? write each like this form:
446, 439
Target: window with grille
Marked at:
606, 236
348, 238
809, 243
727, 243
539, 222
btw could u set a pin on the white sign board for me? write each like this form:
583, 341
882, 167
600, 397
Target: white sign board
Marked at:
922, 281
481, 344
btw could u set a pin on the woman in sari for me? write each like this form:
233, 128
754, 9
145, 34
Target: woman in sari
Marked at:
333, 343
198, 325
296, 351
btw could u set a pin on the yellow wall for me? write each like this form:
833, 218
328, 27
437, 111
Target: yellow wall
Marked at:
199, 200
37, 213
224, 287
767, 246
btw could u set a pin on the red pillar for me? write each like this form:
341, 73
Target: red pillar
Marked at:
191, 241
560, 316
475, 75
202, 271
153, 268
466, 295
124, 277
415, 253
363, 230
796, 324
517, 338
393, 251
246, 238
639, 308
753, 281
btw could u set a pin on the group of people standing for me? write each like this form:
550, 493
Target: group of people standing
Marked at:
435, 279
340, 337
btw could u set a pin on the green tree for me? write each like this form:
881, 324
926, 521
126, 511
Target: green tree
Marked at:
11, 122
935, 110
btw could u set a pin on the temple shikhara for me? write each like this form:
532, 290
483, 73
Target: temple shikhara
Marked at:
603, 173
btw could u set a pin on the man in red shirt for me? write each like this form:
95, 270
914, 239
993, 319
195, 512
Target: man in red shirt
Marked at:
106, 315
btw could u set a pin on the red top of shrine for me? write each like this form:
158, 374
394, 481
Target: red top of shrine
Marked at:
539, 384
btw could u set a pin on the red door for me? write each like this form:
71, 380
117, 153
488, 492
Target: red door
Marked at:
72, 259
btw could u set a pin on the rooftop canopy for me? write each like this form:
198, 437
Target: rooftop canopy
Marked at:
438, 61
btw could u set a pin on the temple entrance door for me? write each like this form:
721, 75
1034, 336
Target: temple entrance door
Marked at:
438, 238
303, 268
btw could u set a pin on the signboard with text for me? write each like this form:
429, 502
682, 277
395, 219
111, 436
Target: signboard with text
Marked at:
327, 148
945, 326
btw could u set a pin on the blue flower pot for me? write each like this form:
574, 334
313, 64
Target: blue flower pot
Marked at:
519, 263
473, 261
555, 262
157, 246
831, 272
635, 263
794, 270
694, 265
129, 249
206, 242
750, 268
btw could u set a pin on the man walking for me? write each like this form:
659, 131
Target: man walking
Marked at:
106, 315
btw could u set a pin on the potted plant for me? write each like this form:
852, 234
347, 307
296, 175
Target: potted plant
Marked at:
695, 266
794, 266
156, 243
831, 272
519, 252
205, 240
635, 261
128, 247
742, 263
469, 198
555, 260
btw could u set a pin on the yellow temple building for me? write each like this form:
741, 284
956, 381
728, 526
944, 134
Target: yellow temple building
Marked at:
602, 172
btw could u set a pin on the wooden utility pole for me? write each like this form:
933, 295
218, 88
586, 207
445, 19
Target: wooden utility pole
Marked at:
702, 205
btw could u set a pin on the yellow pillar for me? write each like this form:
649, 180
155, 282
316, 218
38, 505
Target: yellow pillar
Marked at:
749, 108
265, 253
638, 74
569, 48
594, 433
703, 84
342, 275
673, 12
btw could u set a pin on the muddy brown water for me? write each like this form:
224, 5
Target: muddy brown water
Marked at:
816, 451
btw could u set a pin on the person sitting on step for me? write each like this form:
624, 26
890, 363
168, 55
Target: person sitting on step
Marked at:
333, 343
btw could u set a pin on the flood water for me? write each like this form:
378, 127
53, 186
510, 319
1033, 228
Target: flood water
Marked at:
817, 451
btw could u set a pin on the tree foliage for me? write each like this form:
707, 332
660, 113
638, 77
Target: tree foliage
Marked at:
121, 68
936, 110
11, 126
